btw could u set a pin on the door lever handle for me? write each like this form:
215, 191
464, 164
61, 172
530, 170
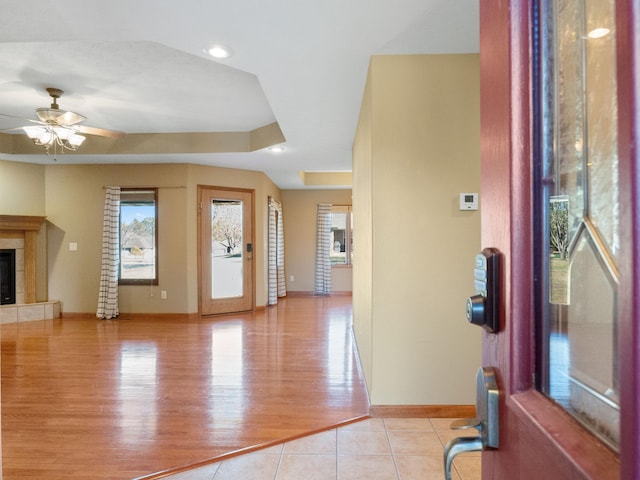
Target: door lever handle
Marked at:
459, 445
465, 423
486, 421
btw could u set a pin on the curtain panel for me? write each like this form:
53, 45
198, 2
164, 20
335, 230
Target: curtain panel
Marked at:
108, 294
323, 250
277, 283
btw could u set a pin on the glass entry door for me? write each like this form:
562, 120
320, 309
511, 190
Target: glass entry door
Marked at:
559, 130
226, 250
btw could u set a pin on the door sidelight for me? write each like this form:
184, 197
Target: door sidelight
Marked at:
486, 421
483, 308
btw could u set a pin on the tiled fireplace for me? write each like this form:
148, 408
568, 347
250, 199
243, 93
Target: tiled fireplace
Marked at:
18, 233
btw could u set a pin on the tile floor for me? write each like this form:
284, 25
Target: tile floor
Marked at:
372, 449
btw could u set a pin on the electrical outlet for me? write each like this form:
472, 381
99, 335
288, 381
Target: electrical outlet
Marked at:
163, 294
292, 278
73, 246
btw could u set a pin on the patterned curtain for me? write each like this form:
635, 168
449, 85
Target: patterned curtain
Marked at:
323, 250
108, 295
277, 284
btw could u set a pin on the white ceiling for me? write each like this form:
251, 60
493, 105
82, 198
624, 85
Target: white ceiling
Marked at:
138, 66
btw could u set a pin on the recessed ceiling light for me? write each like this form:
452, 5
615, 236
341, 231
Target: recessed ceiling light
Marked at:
219, 51
277, 149
598, 32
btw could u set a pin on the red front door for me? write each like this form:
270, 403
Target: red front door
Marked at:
561, 202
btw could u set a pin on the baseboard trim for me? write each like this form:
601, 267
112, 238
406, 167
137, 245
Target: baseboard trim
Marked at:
133, 316
77, 316
301, 293
423, 411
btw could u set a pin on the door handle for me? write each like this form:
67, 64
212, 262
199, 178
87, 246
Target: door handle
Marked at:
486, 421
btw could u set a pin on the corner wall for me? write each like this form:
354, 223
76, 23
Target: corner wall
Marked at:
417, 146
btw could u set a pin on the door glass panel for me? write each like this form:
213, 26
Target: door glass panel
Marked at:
226, 248
339, 236
579, 220
341, 240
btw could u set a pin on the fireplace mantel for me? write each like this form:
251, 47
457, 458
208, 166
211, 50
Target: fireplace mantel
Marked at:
20, 222
27, 227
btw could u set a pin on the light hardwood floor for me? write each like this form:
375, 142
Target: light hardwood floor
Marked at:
119, 399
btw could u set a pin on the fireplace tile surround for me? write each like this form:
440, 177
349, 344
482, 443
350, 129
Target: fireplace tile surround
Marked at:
18, 233
29, 312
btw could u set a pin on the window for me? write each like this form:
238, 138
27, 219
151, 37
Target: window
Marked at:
341, 235
578, 219
138, 236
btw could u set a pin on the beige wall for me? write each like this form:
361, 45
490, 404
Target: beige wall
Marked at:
299, 209
363, 224
72, 198
21, 189
417, 147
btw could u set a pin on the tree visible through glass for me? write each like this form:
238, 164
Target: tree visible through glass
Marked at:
226, 248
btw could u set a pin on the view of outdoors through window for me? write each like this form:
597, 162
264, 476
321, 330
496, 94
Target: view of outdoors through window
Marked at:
226, 248
341, 235
137, 236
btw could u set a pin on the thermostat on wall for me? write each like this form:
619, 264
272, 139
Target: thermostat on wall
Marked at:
468, 201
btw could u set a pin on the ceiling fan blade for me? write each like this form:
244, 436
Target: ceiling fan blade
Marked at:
21, 118
14, 129
102, 132
70, 118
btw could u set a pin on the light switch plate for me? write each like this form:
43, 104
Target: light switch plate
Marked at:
73, 246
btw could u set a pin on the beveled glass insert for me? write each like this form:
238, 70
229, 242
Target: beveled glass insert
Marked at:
580, 210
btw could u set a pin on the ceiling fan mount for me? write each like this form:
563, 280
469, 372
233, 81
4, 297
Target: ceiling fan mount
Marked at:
55, 93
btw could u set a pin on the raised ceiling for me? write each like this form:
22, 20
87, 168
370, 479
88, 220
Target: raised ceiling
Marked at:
139, 67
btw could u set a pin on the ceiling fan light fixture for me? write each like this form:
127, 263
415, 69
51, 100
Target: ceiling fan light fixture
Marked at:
48, 135
47, 138
34, 133
76, 140
63, 133
219, 51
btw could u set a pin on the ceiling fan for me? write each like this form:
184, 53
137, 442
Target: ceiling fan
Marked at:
56, 127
